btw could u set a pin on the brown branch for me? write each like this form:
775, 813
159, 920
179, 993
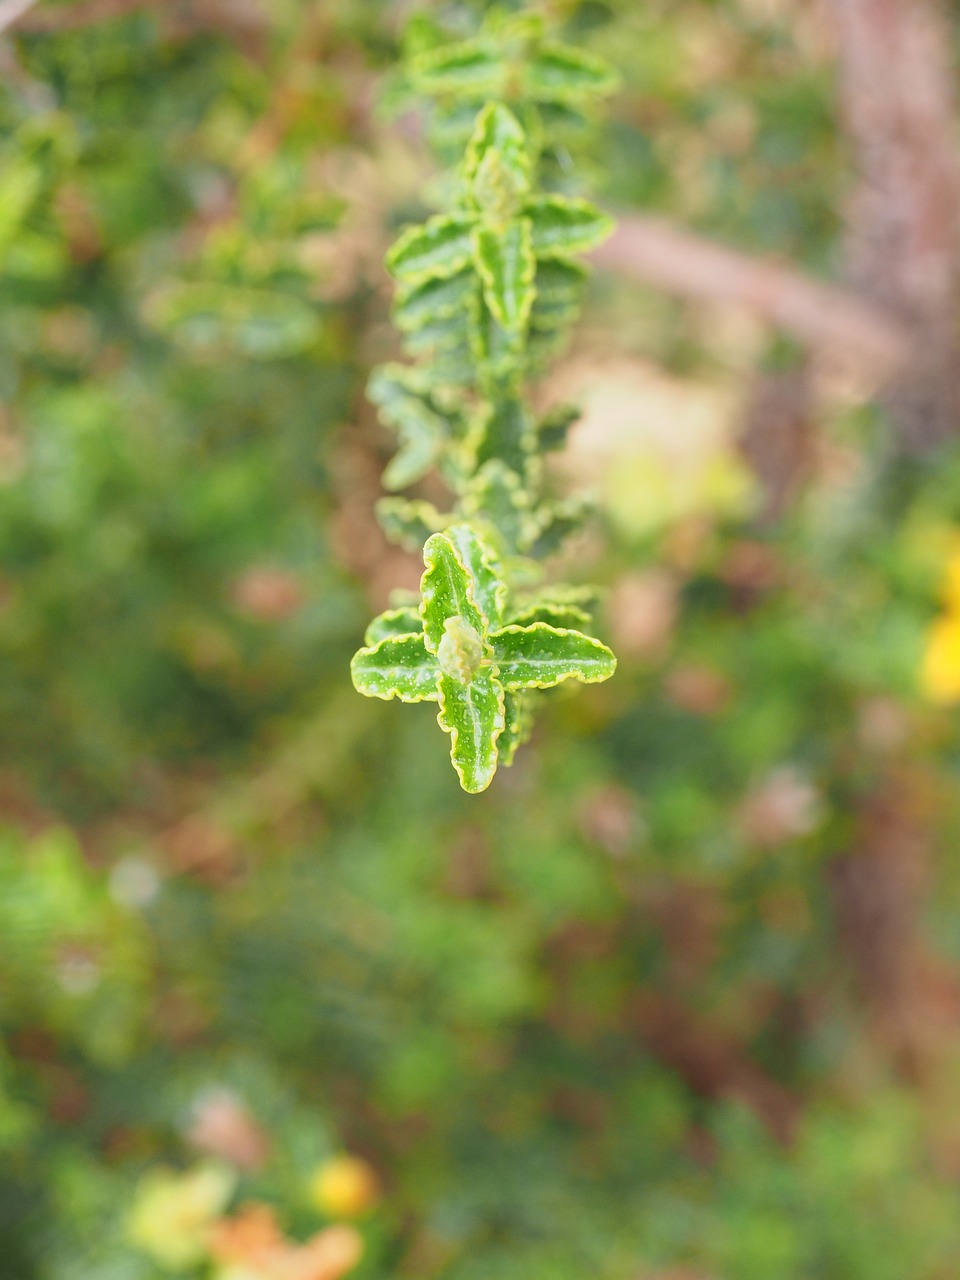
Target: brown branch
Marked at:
712, 1062
778, 438
820, 316
879, 889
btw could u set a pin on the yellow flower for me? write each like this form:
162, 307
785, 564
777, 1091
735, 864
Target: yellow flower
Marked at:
343, 1187
172, 1212
940, 672
951, 583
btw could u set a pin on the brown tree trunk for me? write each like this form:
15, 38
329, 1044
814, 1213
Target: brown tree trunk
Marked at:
879, 887
903, 240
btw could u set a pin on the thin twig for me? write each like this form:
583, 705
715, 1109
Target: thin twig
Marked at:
821, 316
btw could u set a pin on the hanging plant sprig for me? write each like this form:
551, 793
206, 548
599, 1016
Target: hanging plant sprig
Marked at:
487, 291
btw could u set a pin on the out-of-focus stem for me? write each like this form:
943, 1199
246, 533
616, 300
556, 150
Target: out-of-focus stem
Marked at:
821, 316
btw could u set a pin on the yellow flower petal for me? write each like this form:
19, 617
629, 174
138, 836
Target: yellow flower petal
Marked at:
343, 1187
940, 671
951, 583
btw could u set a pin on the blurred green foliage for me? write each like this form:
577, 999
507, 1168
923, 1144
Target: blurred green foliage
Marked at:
645, 1010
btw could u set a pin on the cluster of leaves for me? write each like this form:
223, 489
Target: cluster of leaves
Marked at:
486, 292
472, 657
273, 933
74, 954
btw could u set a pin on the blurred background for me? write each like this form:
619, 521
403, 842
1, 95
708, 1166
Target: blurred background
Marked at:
679, 997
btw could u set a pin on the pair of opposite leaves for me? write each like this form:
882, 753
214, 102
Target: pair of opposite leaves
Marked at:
460, 649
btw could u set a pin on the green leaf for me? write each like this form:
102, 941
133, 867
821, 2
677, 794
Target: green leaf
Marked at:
490, 591
560, 73
421, 34
21, 182
505, 430
399, 389
496, 129
448, 590
564, 120
558, 281
496, 496
496, 167
561, 593
473, 715
455, 367
393, 622
552, 324
432, 299
415, 458
540, 656
406, 405
397, 667
565, 616
470, 69
409, 522
496, 351
563, 226
518, 726
438, 248
551, 317
504, 260
259, 324
517, 31
450, 127
554, 426
439, 335
543, 347
558, 521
